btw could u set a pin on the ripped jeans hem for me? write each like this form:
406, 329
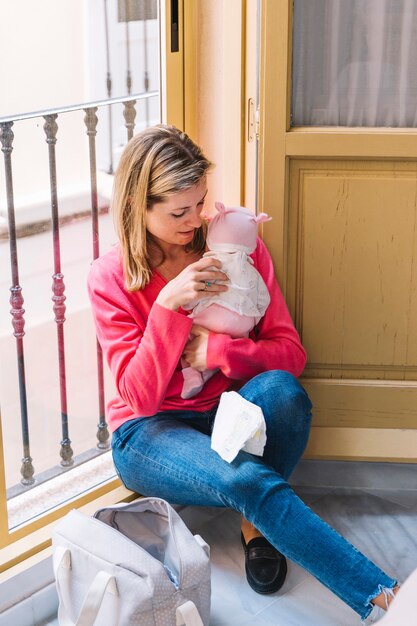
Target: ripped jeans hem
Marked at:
387, 591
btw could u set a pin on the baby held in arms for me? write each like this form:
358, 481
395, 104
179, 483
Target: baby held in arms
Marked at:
231, 238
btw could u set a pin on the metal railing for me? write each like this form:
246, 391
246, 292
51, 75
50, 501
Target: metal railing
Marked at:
50, 127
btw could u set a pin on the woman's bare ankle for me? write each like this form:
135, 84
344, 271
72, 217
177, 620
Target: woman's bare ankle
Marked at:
384, 599
249, 531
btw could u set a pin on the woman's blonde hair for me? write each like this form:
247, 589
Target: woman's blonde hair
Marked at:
155, 164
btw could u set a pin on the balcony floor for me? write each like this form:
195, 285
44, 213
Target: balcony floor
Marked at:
383, 524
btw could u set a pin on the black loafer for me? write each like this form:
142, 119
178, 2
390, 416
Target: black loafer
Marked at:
265, 567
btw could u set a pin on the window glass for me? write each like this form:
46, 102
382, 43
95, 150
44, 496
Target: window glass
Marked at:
354, 63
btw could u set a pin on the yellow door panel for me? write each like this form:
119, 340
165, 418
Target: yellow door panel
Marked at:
353, 250
367, 444
362, 403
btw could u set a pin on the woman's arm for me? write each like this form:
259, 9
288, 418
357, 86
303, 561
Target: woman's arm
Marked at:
141, 342
277, 345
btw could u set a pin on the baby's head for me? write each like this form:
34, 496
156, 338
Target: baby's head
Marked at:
234, 228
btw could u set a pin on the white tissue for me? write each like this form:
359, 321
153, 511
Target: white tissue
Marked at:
239, 425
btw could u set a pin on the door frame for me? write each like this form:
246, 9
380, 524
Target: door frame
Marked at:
172, 66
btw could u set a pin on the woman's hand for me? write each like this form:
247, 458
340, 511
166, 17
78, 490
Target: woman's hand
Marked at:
194, 282
195, 351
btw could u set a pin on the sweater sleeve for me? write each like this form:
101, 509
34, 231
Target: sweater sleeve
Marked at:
277, 344
142, 348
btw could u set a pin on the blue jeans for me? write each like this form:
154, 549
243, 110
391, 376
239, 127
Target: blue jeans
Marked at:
169, 456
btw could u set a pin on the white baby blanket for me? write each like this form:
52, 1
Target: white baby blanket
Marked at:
239, 425
247, 292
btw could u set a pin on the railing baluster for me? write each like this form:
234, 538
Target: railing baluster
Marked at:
109, 87
129, 113
146, 73
16, 300
127, 39
91, 121
51, 128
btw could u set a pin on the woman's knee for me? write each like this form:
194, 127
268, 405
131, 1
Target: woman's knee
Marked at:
290, 393
274, 378
278, 391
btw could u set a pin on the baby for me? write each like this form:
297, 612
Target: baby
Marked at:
231, 238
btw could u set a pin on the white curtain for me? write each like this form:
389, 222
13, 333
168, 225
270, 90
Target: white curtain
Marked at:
355, 63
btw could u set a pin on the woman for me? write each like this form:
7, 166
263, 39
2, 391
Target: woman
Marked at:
161, 442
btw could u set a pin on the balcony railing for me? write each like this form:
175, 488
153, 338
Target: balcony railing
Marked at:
66, 456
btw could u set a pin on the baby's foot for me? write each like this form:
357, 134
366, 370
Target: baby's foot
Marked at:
193, 383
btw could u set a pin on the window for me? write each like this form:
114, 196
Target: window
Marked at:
354, 63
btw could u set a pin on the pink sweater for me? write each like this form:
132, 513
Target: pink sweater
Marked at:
143, 342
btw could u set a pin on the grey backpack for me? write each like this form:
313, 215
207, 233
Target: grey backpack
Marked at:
131, 564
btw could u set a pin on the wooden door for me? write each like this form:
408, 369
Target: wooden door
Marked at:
344, 242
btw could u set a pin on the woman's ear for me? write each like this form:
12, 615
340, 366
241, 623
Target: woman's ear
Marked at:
220, 207
206, 216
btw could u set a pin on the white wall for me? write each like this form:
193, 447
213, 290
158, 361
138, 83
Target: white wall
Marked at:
42, 52
36, 66
53, 54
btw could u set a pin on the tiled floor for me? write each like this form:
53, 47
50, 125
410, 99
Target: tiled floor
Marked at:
383, 524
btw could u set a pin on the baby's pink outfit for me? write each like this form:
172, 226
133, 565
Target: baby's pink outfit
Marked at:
232, 236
